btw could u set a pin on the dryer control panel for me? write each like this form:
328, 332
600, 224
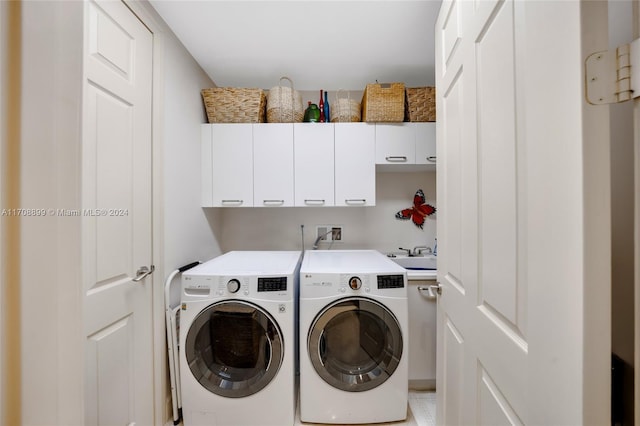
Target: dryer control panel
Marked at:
272, 284
322, 284
277, 287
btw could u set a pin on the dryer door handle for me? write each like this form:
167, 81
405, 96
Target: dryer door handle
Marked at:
322, 348
143, 272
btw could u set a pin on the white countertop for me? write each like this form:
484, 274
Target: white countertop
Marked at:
416, 274
421, 275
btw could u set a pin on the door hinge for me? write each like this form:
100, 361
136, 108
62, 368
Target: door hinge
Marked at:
610, 76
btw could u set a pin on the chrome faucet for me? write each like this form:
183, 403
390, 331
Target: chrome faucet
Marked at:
417, 251
407, 250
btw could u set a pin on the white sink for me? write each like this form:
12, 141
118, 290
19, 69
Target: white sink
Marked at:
428, 262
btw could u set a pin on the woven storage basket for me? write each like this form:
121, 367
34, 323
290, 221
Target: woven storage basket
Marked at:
284, 104
234, 105
421, 104
383, 102
345, 110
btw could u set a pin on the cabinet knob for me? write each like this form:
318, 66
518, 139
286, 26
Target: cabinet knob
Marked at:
396, 159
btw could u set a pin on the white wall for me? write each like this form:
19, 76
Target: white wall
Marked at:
188, 229
363, 227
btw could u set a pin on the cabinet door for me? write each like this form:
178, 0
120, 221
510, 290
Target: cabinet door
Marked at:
206, 165
314, 170
355, 165
422, 335
273, 165
425, 143
232, 162
395, 143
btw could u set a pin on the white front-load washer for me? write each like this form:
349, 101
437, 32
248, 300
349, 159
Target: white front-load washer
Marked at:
238, 338
353, 338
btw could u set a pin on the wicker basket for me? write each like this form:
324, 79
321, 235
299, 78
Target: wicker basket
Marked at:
284, 104
345, 110
421, 104
234, 105
383, 103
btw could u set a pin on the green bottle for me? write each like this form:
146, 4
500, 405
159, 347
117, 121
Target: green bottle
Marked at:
312, 113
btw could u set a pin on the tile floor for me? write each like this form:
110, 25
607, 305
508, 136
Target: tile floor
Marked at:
423, 407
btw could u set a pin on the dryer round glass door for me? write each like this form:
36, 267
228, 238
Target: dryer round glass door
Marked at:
234, 348
355, 344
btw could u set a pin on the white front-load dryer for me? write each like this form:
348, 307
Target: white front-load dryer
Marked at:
353, 338
238, 339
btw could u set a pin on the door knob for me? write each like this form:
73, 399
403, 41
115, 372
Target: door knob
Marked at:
142, 273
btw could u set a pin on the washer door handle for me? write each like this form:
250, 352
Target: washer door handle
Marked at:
143, 272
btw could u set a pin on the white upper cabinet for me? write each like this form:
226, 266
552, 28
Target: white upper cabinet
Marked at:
406, 146
307, 164
230, 169
355, 170
395, 143
425, 143
273, 165
314, 164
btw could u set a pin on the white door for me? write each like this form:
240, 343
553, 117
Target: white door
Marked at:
523, 317
116, 196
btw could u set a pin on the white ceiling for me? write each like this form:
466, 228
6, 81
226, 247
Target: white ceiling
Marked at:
319, 44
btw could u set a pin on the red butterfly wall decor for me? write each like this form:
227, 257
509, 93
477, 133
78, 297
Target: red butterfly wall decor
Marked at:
418, 212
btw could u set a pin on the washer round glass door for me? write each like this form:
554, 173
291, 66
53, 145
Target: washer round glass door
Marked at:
234, 348
355, 344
